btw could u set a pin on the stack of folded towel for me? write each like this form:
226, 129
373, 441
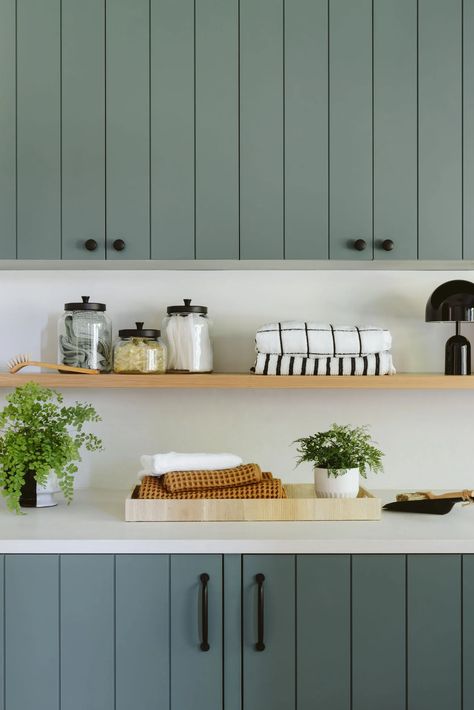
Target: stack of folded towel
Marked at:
165, 478
307, 348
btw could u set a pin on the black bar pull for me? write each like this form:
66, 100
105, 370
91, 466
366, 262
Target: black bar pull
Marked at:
204, 612
260, 646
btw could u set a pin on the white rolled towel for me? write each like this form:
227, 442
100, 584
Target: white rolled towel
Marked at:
158, 464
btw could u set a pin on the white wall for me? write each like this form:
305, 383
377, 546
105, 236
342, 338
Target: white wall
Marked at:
427, 436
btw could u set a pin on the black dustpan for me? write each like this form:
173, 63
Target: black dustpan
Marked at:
432, 504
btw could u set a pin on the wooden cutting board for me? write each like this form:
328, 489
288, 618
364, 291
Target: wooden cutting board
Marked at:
301, 504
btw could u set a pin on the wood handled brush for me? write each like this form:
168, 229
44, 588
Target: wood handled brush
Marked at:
430, 503
20, 361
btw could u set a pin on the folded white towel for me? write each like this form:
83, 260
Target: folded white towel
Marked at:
375, 364
318, 340
158, 464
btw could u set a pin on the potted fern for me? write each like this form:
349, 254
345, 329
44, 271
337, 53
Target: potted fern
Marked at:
40, 436
339, 457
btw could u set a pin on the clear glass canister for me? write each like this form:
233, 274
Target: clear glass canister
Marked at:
85, 336
139, 351
187, 332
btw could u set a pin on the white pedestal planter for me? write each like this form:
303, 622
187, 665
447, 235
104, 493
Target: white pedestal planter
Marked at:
345, 485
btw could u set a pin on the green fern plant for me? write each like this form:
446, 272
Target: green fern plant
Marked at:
39, 434
340, 448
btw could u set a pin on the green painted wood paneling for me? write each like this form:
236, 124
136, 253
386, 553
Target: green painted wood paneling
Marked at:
217, 130
83, 123
378, 632
261, 129
2, 632
7, 129
269, 675
142, 632
196, 676
434, 632
350, 127
87, 632
128, 128
468, 128
32, 632
323, 608
306, 129
232, 632
38, 129
172, 129
440, 129
468, 630
395, 128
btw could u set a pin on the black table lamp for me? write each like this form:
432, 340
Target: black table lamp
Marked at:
453, 301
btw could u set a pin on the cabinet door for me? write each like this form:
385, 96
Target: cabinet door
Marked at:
350, 128
7, 129
268, 616
142, 636
468, 629
128, 129
38, 129
196, 669
395, 129
83, 130
468, 128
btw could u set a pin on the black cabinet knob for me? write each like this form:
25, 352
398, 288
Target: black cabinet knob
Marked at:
360, 244
91, 244
387, 245
119, 245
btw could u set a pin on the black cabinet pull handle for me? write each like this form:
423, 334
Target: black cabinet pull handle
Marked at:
360, 244
260, 645
90, 244
119, 245
205, 612
387, 245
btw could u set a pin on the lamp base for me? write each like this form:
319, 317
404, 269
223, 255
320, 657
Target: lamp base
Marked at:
458, 356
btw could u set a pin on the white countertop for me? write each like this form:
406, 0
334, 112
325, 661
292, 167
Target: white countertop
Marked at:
94, 523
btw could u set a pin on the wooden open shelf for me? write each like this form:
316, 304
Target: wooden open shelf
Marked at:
221, 380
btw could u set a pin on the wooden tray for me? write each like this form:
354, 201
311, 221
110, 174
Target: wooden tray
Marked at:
301, 504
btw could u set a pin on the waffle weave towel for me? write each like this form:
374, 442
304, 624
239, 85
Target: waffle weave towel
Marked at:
152, 488
377, 364
179, 481
158, 464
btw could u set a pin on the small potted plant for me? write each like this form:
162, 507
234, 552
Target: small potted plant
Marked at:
39, 435
339, 457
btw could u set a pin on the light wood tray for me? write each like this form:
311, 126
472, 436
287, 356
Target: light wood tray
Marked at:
301, 504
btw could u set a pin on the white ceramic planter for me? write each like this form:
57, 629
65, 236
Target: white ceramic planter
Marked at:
45, 494
346, 485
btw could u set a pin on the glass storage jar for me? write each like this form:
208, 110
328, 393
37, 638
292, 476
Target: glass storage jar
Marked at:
85, 336
139, 351
187, 332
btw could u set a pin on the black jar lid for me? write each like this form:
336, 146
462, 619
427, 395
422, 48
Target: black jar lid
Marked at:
85, 305
139, 332
187, 308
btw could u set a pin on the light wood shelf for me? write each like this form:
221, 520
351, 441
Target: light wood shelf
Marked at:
221, 380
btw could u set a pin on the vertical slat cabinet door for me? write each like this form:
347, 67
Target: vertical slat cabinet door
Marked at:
32, 632
128, 129
142, 649
434, 632
261, 129
38, 129
2, 632
217, 129
232, 588
172, 129
395, 130
468, 630
323, 648
196, 651
468, 125
7, 129
268, 632
83, 130
87, 632
440, 129
378, 632
306, 129
350, 129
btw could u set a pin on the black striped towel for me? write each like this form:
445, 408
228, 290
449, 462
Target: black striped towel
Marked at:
375, 364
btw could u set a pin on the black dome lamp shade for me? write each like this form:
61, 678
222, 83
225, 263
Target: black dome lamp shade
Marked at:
453, 301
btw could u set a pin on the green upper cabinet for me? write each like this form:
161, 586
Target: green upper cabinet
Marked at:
7, 130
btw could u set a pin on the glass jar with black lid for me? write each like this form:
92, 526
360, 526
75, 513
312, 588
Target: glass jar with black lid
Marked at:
85, 336
139, 351
188, 337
